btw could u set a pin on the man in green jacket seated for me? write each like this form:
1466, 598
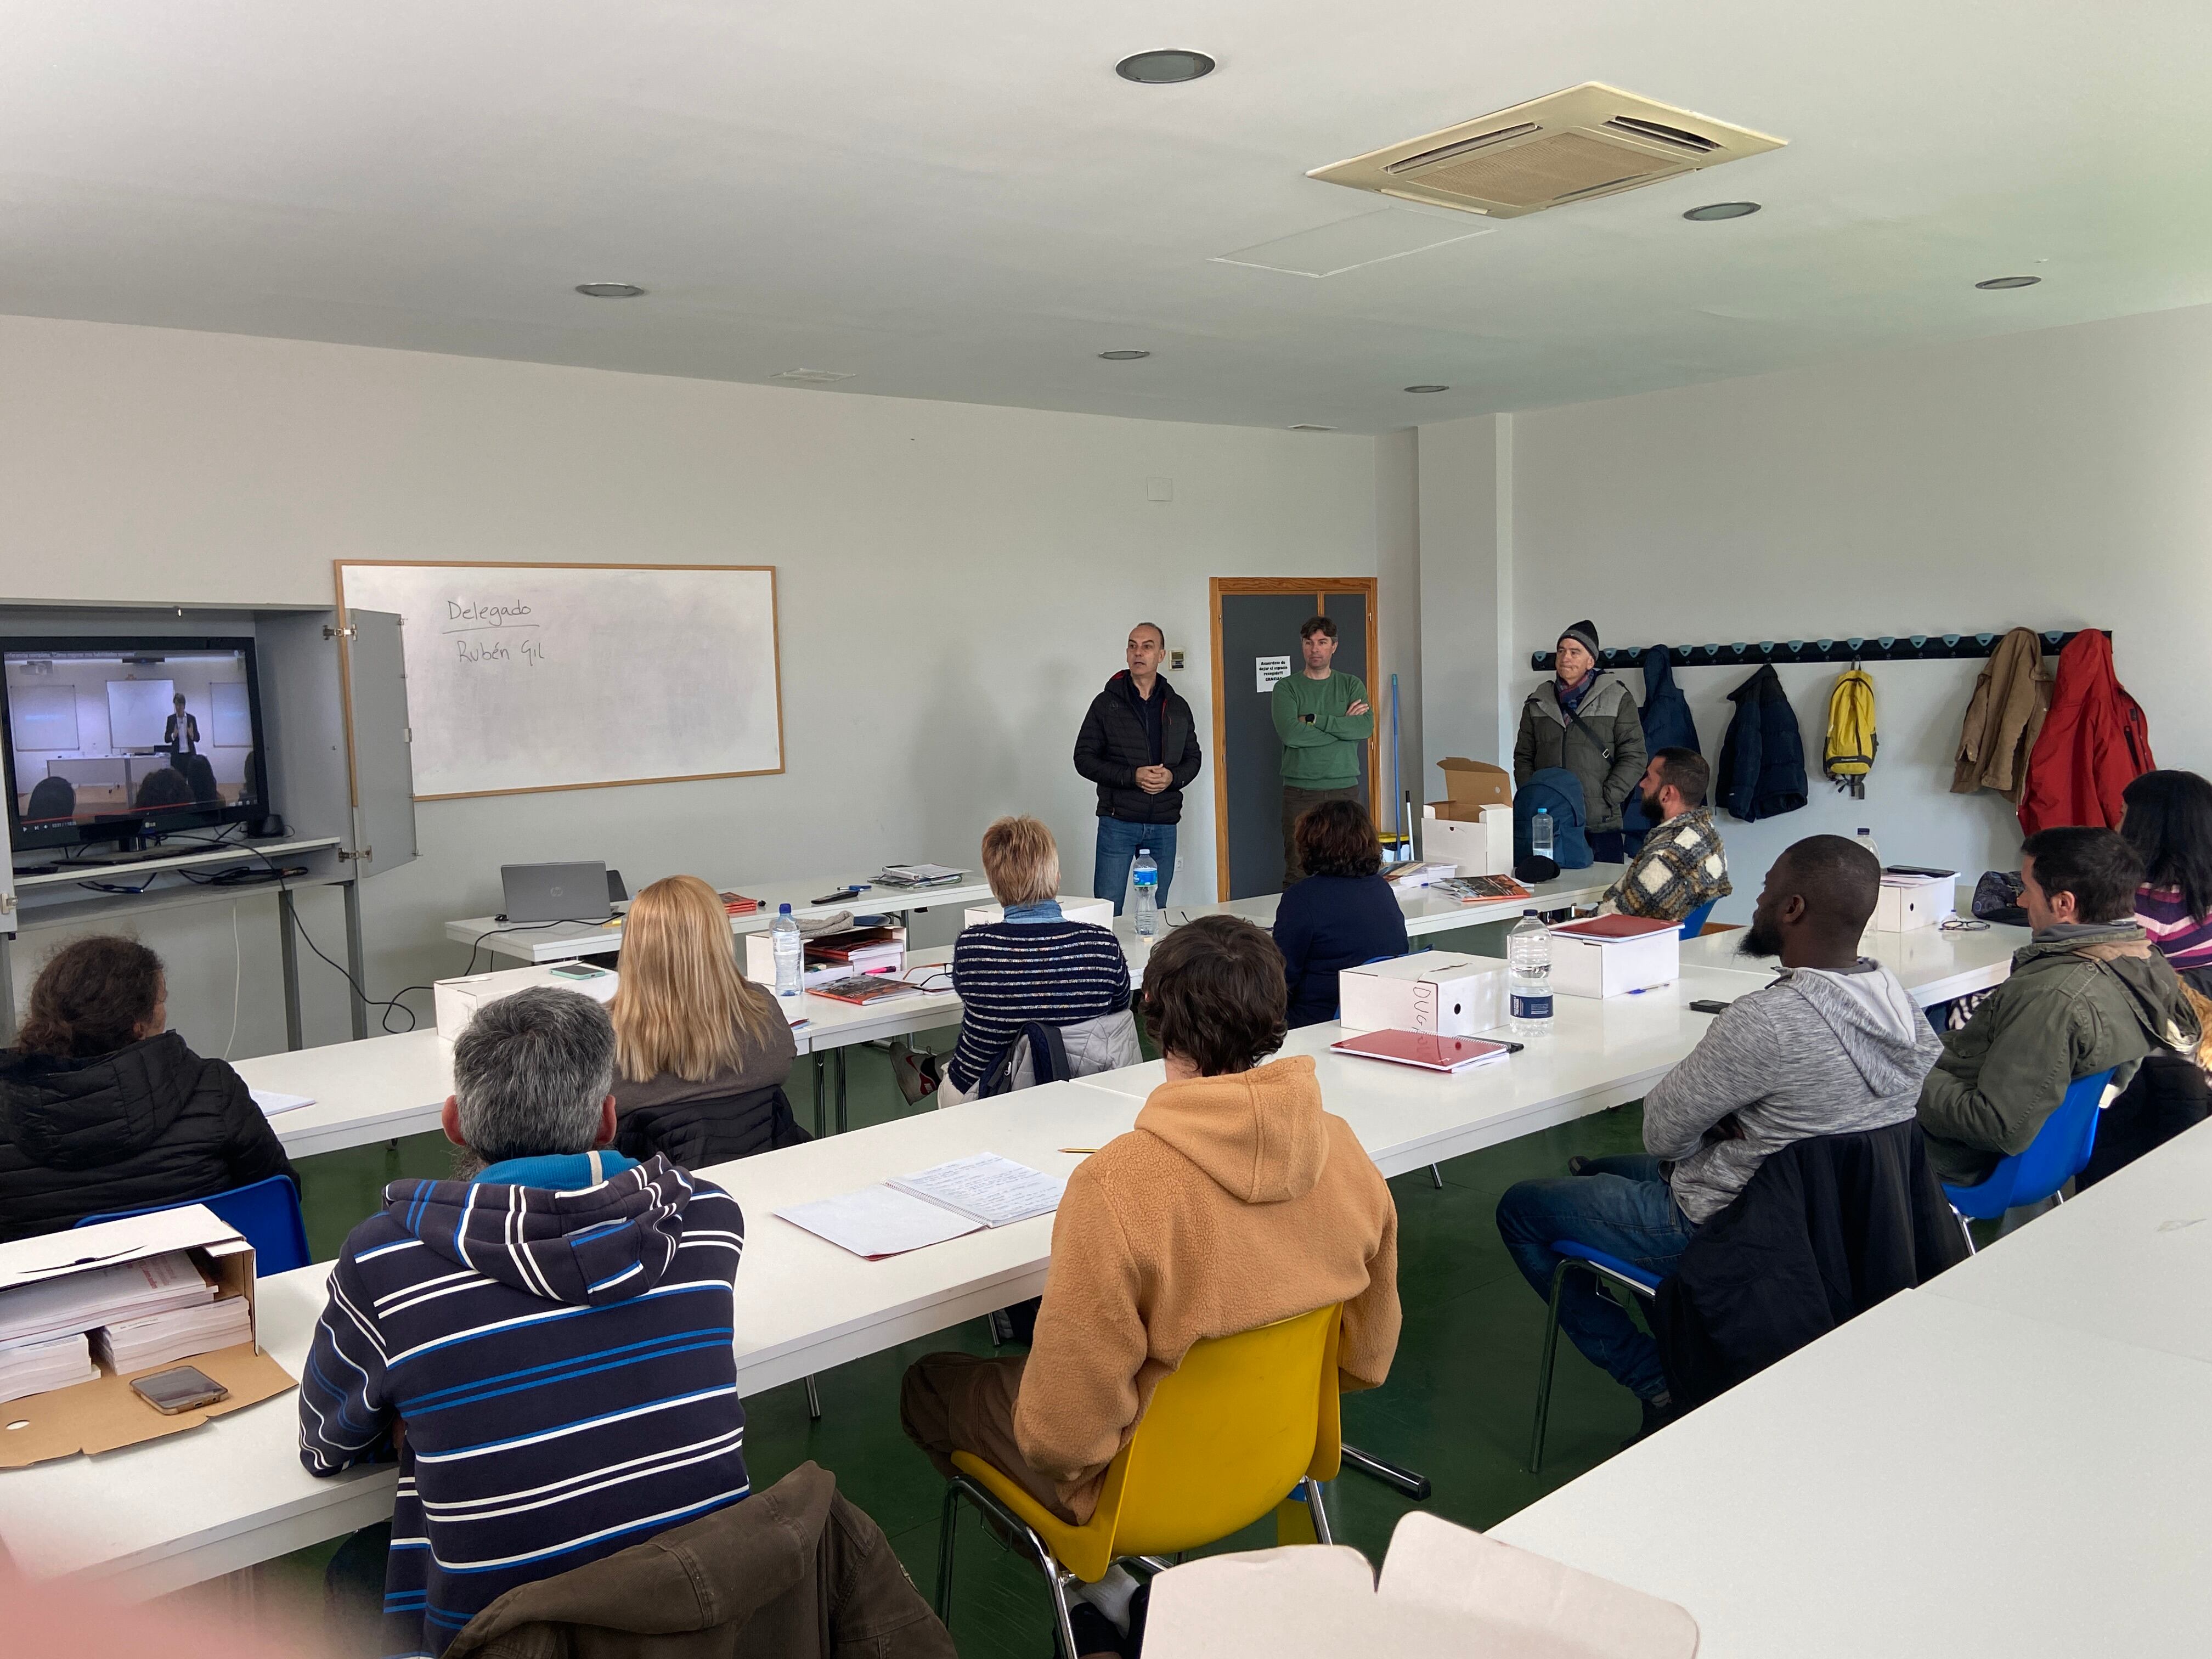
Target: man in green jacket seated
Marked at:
2089, 992
1324, 721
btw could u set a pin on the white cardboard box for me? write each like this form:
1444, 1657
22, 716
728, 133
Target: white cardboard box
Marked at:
1484, 847
457, 1000
1913, 902
1096, 911
760, 962
1585, 964
1432, 991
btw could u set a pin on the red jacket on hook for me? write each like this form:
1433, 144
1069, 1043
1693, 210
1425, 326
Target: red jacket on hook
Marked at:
2094, 743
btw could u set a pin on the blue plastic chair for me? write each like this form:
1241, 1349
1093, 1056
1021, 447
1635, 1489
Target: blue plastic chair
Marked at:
1602, 1268
266, 1214
1695, 923
2059, 1151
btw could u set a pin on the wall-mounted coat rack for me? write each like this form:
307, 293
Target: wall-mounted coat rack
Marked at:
1886, 647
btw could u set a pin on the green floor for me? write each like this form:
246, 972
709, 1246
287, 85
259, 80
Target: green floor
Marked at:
1456, 1407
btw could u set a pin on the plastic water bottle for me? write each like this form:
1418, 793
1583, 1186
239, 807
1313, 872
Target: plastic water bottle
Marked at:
1145, 878
1540, 843
1865, 838
790, 974
1528, 981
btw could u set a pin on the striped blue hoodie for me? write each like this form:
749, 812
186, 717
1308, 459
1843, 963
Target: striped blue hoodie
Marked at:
559, 1353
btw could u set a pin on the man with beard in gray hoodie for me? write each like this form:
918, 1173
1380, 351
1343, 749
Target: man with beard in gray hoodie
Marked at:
1833, 1046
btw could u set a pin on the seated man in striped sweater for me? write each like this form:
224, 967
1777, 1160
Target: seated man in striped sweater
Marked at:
1034, 965
546, 1347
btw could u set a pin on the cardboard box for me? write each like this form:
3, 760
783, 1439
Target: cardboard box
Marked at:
1432, 991
104, 1414
1909, 902
759, 961
1470, 785
1613, 956
1481, 845
1096, 911
457, 1000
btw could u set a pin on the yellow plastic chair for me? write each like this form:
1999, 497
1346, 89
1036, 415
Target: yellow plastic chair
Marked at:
1242, 1421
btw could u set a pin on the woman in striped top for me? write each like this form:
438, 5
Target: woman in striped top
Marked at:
2167, 816
1034, 965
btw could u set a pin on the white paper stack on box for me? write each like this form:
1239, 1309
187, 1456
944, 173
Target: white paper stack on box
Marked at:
457, 1000
1431, 991
1099, 912
130, 1346
48, 1362
1425, 873
85, 1301
1613, 956
1909, 902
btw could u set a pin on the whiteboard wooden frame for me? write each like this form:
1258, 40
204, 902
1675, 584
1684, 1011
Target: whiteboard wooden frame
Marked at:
339, 567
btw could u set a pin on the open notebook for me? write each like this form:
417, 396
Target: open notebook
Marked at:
909, 1212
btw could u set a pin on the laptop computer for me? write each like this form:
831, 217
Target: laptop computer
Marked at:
554, 892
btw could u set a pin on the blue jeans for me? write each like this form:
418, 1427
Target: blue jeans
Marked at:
1119, 841
1618, 1206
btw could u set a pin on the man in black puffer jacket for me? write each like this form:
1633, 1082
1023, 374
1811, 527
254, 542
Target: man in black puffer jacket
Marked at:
103, 1109
1139, 745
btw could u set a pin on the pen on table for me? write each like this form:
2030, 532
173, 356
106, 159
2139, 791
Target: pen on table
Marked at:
1082, 1152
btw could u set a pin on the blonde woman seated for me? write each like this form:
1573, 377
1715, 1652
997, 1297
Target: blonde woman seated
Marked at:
700, 1052
1035, 966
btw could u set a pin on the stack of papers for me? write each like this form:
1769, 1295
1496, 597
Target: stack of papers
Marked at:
102, 1295
920, 875
908, 1212
1481, 890
1423, 874
52, 1361
137, 1345
271, 1103
739, 905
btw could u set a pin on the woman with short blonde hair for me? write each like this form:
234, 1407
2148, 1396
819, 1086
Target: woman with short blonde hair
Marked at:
1021, 861
700, 1052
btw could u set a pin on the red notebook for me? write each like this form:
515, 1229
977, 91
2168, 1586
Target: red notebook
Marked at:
1618, 927
1425, 1050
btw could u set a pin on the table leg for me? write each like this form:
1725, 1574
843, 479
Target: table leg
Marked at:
821, 1074
357, 964
291, 957
1414, 1485
840, 1057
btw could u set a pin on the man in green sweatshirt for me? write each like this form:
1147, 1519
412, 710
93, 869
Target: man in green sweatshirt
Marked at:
1324, 721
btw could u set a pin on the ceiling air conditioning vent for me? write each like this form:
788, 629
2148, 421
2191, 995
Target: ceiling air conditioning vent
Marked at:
1591, 140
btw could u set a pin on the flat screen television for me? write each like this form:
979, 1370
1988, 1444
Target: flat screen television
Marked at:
126, 739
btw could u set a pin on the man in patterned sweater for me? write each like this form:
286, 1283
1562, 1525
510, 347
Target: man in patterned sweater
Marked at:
547, 1347
1682, 865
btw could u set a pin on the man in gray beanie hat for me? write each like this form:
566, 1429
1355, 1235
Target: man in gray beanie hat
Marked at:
1585, 721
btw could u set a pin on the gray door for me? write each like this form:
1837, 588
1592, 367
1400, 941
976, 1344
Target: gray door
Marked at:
1255, 627
378, 737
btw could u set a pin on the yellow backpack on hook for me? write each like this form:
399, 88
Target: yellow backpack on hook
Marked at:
1852, 737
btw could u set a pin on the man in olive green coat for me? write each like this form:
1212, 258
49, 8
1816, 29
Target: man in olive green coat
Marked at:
2087, 994
1585, 721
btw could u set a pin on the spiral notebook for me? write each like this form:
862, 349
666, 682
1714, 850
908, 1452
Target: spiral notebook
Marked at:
1425, 1050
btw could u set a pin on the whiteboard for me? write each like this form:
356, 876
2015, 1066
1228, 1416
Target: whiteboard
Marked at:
233, 721
44, 716
138, 712
523, 676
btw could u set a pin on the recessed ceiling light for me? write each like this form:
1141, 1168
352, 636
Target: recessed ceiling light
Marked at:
812, 376
1164, 69
2010, 282
610, 290
1123, 356
1713, 210
1428, 388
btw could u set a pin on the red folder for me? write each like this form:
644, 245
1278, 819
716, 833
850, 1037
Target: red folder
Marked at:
1618, 927
1425, 1050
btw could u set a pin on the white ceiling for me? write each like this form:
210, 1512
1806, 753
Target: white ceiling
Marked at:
962, 201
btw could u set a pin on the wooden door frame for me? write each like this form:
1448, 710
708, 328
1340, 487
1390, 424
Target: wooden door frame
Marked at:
1321, 587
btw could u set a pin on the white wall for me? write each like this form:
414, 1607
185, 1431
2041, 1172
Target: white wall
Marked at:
1466, 532
954, 583
2055, 479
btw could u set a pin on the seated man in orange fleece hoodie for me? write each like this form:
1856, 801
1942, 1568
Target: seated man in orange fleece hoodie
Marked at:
1235, 1203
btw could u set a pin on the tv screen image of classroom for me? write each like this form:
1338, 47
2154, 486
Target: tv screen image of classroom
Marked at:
96, 734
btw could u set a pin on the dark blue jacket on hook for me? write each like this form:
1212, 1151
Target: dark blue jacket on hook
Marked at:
1762, 770
1667, 724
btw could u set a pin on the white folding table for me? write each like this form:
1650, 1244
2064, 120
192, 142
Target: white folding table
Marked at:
1934, 965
